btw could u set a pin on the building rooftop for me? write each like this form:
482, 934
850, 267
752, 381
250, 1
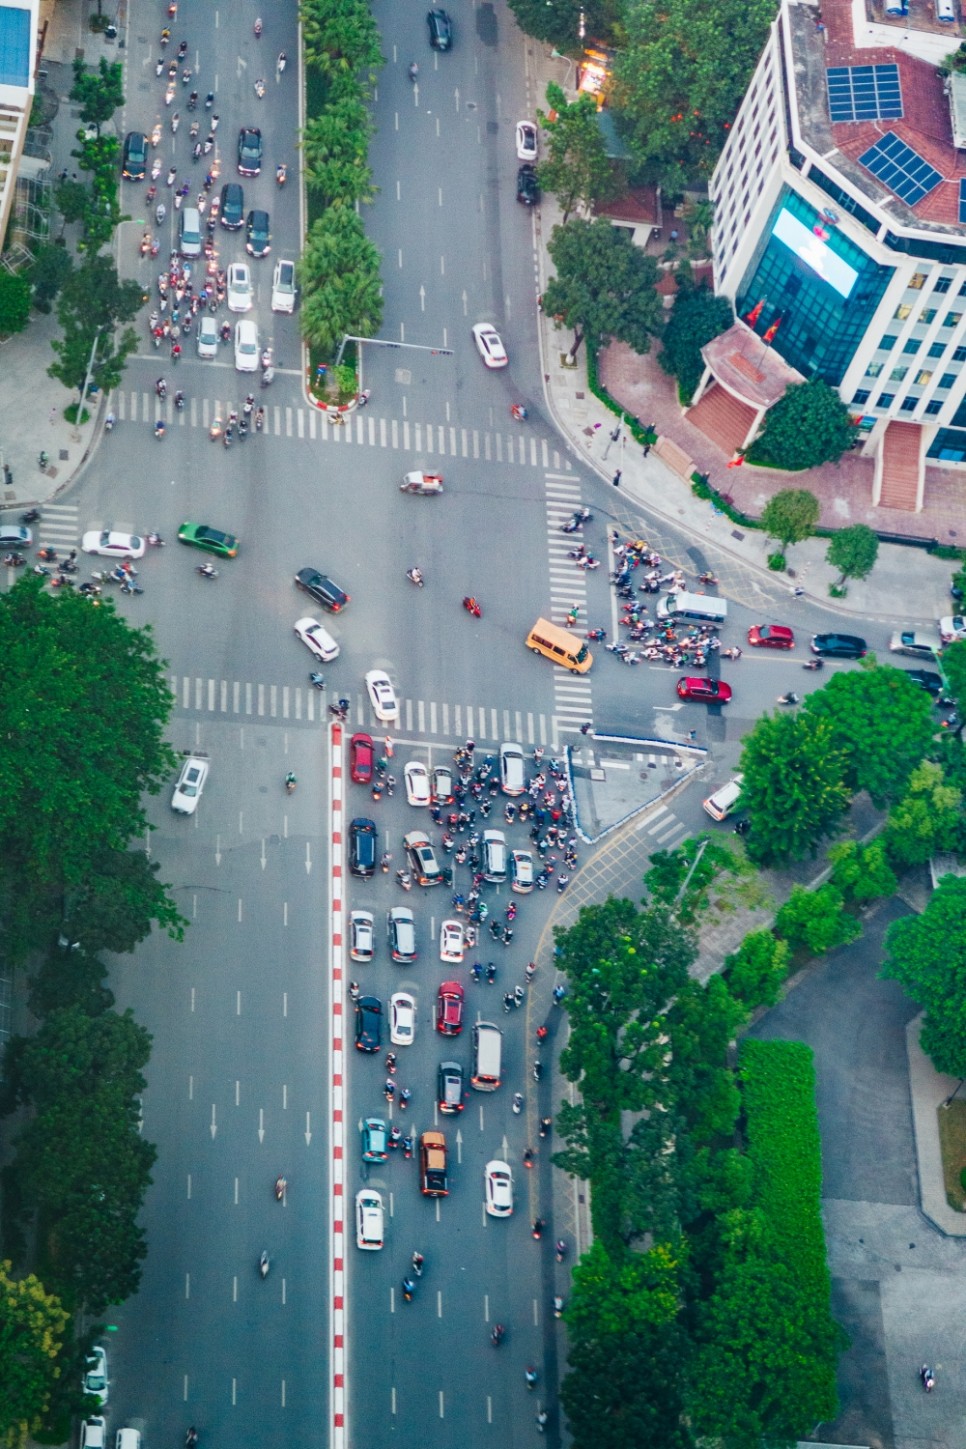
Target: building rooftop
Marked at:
748, 367
888, 126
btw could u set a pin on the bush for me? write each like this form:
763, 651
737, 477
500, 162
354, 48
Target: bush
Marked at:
815, 919
755, 972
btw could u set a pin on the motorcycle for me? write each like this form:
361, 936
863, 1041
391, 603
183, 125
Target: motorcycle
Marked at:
518, 1103
280, 1188
264, 1263
790, 698
472, 607
317, 680
413, 71
206, 571
497, 1335
599, 635
814, 664
280, 174
14, 560
260, 89
290, 782
415, 576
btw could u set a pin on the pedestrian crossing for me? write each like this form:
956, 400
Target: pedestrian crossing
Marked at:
361, 428
434, 719
59, 526
664, 827
572, 696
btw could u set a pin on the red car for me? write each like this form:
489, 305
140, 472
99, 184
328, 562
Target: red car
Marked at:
710, 691
771, 636
449, 1009
362, 754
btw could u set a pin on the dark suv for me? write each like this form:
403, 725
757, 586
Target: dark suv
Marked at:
839, 646
440, 30
135, 159
232, 206
528, 187
368, 1023
322, 590
249, 151
362, 847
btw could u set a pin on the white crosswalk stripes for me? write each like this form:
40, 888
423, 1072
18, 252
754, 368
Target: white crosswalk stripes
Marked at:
519, 448
664, 827
58, 525
436, 718
568, 587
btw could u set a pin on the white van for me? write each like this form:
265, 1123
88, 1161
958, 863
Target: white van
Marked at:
720, 805
283, 286
189, 229
487, 1056
693, 606
494, 856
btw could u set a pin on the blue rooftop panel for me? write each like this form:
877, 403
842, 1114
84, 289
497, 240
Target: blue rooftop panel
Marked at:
900, 168
14, 47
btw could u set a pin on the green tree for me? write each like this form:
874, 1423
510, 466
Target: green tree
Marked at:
682, 879
100, 92
342, 291
862, 872
14, 303
954, 671
928, 818
558, 22
81, 1161
790, 515
340, 40
51, 268
73, 200
678, 80
853, 551
69, 979
756, 971
605, 286
576, 169
816, 920
121, 901
809, 426
82, 720
94, 302
100, 156
794, 787
33, 1325
697, 317
882, 721
927, 955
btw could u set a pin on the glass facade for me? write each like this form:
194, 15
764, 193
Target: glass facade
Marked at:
822, 316
949, 445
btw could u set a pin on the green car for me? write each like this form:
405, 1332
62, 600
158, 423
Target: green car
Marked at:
374, 1140
199, 535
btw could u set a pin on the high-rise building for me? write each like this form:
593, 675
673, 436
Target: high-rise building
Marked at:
18, 55
840, 231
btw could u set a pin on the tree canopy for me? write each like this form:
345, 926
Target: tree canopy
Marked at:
33, 1325
809, 426
14, 303
790, 515
605, 286
696, 317
99, 92
576, 169
881, 722
794, 787
94, 302
853, 551
342, 290
926, 954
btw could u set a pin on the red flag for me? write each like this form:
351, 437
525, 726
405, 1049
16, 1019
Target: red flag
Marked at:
752, 317
769, 336
736, 462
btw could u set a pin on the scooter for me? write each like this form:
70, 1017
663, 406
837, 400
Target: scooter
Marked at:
280, 1187
264, 1264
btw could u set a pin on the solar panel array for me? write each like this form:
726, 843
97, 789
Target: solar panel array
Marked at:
864, 93
900, 168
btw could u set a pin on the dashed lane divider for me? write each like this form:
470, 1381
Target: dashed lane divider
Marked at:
338, 1435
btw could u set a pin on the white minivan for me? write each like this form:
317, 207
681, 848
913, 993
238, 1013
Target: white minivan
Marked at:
283, 286
189, 230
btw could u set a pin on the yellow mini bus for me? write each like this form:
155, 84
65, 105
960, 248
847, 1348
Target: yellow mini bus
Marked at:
560, 645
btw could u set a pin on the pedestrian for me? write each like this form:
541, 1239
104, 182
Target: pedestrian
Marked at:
616, 480
390, 745
647, 449
586, 727
692, 734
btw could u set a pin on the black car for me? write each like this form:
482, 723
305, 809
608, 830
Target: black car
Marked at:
368, 1023
362, 847
440, 30
839, 646
926, 679
249, 151
232, 206
449, 1087
528, 187
135, 157
322, 590
258, 235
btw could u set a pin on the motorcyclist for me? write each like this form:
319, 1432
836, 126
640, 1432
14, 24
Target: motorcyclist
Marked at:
263, 1264
290, 782
413, 70
418, 1261
415, 576
280, 1186
408, 1289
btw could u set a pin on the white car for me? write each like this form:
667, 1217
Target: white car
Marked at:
417, 783
246, 346
317, 639
207, 343
93, 1434
95, 1374
382, 696
362, 936
283, 286
499, 1189
402, 1019
442, 785
489, 346
109, 544
239, 287
513, 778
370, 1219
526, 141
452, 942
189, 785
952, 627
521, 871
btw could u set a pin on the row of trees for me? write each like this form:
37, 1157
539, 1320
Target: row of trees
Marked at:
674, 1324
82, 720
340, 267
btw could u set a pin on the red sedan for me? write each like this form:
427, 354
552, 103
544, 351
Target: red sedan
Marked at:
362, 754
708, 691
449, 1009
771, 636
